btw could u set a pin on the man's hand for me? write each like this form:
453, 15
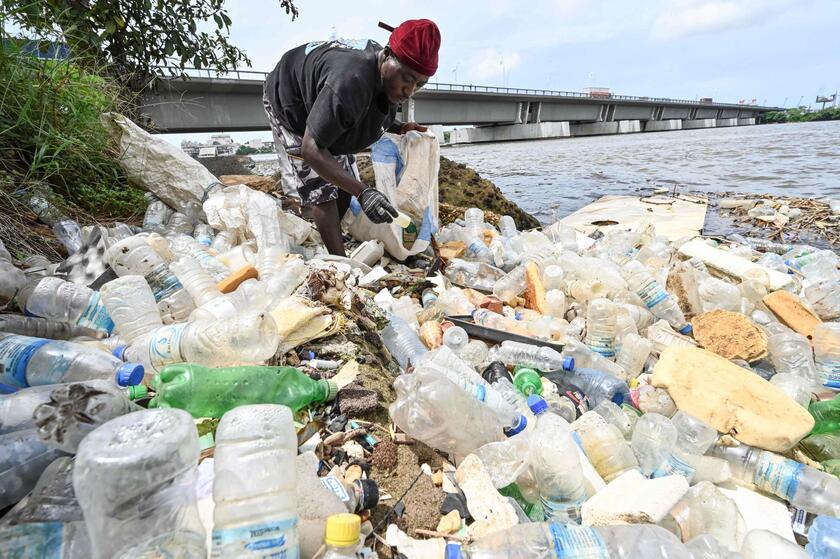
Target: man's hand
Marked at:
376, 206
408, 126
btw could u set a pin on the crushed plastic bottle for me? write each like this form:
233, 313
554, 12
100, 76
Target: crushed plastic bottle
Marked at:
23, 457
38, 327
694, 438
597, 385
131, 305
826, 341
61, 300
656, 299
824, 536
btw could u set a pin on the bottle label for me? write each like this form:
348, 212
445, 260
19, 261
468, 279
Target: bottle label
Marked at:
777, 475
561, 511
163, 282
652, 294
829, 370
577, 541
605, 345
96, 316
36, 539
476, 248
674, 466
275, 539
15, 353
205, 240
333, 484
165, 347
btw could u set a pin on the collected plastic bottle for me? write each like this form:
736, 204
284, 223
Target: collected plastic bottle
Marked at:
718, 294
704, 509
556, 465
76, 409
824, 538
12, 280
477, 250
52, 500
656, 299
585, 357
185, 246
694, 438
455, 338
136, 475
802, 486
131, 305
490, 319
207, 392
615, 415
362, 494
157, 213
16, 408
825, 298
23, 457
249, 338
38, 327
608, 451
251, 296
760, 544
424, 406
342, 536
68, 232
826, 416
58, 299
633, 355
402, 342
195, 279
597, 385
204, 234
600, 326
507, 227
543, 540
474, 222
453, 301
511, 284
826, 340
795, 386
791, 353
224, 241
527, 382
134, 256
254, 487
322, 364
26, 361
654, 436
537, 357
179, 224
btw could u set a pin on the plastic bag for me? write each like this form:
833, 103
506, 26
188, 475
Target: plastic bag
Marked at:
406, 169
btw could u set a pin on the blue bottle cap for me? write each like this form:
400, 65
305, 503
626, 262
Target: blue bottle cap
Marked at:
523, 422
537, 404
119, 351
453, 551
687, 329
7, 389
568, 363
307, 355
129, 374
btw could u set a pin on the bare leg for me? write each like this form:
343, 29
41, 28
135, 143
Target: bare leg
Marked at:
327, 220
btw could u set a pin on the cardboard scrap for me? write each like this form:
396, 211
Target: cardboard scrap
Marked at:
792, 311
730, 334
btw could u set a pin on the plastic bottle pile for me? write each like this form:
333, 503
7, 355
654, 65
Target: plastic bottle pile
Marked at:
647, 398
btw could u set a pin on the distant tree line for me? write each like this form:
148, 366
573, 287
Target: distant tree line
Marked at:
248, 150
802, 114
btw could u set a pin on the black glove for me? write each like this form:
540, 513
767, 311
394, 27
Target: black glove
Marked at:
376, 206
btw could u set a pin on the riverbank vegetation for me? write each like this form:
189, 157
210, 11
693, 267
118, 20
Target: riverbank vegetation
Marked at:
802, 114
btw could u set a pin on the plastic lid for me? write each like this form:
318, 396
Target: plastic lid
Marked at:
527, 381
138, 391
453, 551
537, 404
119, 351
520, 426
687, 329
129, 374
568, 363
343, 530
368, 493
495, 371
307, 355
332, 389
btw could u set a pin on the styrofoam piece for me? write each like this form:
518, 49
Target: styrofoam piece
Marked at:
730, 264
761, 512
631, 498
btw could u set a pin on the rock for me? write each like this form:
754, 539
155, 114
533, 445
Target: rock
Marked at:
731, 399
354, 450
489, 509
437, 478
355, 401
789, 309
449, 523
730, 334
631, 498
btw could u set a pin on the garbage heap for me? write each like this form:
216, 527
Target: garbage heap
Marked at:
207, 384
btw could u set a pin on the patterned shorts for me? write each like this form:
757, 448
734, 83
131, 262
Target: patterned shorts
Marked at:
297, 178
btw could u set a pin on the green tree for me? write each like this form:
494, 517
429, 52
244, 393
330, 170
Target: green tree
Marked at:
133, 36
246, 150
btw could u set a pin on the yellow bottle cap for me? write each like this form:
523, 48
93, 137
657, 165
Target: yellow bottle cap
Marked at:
343, 530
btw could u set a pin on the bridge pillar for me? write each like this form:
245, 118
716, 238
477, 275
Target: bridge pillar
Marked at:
510, 132
594, 128
663, 125
746, 121
699, 123
724, 122
629, 126
534, 112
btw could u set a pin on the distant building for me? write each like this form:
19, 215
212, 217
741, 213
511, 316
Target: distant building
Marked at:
256, 143
191, 148
221, 139
207, 152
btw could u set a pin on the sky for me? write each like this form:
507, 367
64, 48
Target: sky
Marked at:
775, 51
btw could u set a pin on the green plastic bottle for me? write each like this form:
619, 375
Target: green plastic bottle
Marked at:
821, 447
527, 381
826, 416
208, 392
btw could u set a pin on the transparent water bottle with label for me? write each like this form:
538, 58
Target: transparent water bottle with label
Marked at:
694, 438
537, 357
157, 213
254, 485
131, 304
58, 299
600, 326
656, 299
653, 439
195, 279
38, 327
136, 475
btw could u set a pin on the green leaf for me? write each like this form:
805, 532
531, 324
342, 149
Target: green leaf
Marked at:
119, 20
110, 27
226, 18
218, 19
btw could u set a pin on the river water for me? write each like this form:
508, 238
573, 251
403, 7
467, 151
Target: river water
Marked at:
556, 177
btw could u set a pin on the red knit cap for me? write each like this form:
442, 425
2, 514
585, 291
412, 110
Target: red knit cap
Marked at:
416, 43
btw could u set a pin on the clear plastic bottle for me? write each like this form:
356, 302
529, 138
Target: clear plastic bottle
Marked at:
424, 409
694, 438
824, 538
597, 385
76, 409
453, 302
185, 246
826, 340
224, 241
553, 277
477, 250
68, 232
136, 475
615, 415
245, 339
585, 357
455, 338
656, 299
655, 400
157, 213
57, 299
555, 463
704, 509
542, 540
251, 296
16, 408
761, 544
38, 327
654, 436
490, 319
131, 304
825, 298
195, 279
608, 451
511, 284
134, 256
402, 342
802, 486
26, 361
203, 234
507, 227
555, 301
600, 326
12, 280
791, 353
52, 500
23, 457
254, 486
795, 386
633, 355
537, 357
180, 224
342, 536
718, 294
474, 223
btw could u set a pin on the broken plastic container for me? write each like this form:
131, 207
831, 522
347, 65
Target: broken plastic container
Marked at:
694, 438
654, 436
206, 392
132, 306
57, 299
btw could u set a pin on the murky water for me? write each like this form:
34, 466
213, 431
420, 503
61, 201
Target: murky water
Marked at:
556, 177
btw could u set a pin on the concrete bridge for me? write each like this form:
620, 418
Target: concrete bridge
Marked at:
233, 102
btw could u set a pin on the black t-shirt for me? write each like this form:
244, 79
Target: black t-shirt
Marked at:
335, 89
